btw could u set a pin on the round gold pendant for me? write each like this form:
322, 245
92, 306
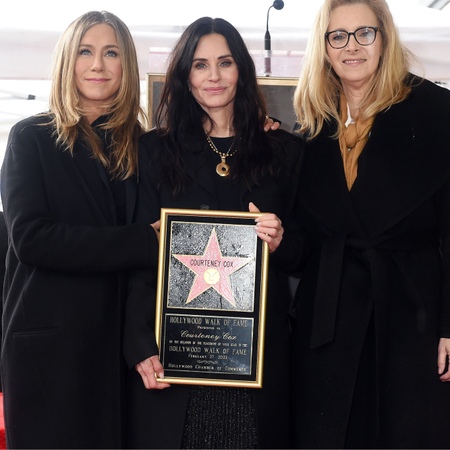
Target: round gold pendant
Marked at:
223, 169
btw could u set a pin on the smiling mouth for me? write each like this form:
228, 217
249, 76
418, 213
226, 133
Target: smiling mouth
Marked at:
97, 80
217, 90
354, 61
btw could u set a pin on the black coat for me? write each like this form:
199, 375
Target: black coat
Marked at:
3, 250
62, 360
157, 417
379, 275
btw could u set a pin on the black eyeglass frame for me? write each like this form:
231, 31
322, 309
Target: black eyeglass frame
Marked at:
350, 33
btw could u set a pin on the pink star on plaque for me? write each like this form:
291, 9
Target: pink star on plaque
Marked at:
212, 270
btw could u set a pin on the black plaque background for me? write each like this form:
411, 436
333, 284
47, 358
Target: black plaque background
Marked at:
167, 330
209, 352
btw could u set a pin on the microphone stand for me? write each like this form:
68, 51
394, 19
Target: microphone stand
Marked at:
277, 4
267, 49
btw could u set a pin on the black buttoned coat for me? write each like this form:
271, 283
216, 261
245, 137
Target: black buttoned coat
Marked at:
62, 360
380, 265
157, 417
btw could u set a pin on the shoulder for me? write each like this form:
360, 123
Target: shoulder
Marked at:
428, 95
429, 108
289, 153
150, 142
149, 145
292, 144
422, 86
33, 123
149, 138
285, 137
34, 126
426, 108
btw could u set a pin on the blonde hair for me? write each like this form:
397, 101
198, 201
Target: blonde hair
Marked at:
316, 97
67, 114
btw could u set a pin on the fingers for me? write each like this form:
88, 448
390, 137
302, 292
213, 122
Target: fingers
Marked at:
157, 227
272, 236
148, 370
157, 366
445, 377
275, 126
252, 208
441, 363
443, 354
269, 224
269, 124
269, 229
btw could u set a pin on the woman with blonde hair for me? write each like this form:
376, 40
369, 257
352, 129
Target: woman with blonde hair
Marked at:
68, 191
370, 350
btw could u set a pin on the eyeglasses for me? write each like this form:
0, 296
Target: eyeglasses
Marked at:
363, 36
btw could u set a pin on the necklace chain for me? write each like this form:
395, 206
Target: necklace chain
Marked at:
222, 169
211, 144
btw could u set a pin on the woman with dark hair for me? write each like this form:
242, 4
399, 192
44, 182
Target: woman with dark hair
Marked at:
68, 193
209, 151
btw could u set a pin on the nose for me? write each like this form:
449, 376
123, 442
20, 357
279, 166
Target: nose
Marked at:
214, 74
97, 63
352, 44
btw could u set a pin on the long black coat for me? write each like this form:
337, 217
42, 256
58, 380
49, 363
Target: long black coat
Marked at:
62, 360
379, 273
157, 417
3, 250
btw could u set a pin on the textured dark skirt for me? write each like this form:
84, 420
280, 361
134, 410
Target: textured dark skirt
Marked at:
219, 417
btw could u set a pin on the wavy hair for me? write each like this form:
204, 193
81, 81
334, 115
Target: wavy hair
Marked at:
180, 119
67, 114
316, 97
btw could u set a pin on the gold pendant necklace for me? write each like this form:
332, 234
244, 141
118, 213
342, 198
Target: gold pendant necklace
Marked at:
222, 169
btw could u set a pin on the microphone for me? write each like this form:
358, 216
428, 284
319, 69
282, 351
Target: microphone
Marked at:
277, 4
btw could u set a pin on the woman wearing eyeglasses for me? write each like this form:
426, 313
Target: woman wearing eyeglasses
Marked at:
371, 346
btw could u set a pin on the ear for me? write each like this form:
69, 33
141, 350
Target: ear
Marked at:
189, 86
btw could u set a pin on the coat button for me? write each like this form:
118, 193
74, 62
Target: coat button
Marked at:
204, 207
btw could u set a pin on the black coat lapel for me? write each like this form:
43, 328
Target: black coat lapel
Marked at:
130, 196
96, 185
197, 168
323, 189
403, 164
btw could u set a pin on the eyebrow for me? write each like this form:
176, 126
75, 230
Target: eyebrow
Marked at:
358, 28
206, 59
91, 46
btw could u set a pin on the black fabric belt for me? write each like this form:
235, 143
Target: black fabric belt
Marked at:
330, 268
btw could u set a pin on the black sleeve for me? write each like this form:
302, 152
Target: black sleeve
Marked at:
139, 335
295, 246
442, 201
38, 238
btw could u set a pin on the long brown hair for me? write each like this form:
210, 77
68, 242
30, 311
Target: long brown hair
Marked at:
67, 114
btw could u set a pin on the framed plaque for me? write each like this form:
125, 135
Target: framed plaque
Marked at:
211, 298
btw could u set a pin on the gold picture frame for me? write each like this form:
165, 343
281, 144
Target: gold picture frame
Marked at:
211, 298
